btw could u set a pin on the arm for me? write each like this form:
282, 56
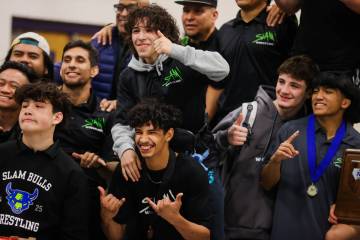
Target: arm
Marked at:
270, 174
212, 97
170, 211
289, 6
74, 224
353, 5
211, 64
110, 206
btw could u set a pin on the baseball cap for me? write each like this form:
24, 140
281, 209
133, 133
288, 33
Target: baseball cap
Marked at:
32, 38
205, 2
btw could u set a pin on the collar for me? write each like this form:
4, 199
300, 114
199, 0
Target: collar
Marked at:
349, 138
207, 41
91, 104
169, 169
260, 18
52, 151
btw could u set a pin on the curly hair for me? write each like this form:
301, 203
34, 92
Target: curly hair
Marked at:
42, 91
161, 115
155, 18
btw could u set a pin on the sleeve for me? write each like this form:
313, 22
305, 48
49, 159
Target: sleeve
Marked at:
120, 189
74, 219
122, 133
196, 199
211, 64
221, 129
287, 32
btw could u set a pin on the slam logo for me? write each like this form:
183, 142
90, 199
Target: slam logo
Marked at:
18, 200
96, 124
266, 38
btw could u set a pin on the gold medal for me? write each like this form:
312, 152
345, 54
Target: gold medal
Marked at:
312, 190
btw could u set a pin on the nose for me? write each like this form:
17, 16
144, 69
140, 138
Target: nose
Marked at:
24, 59
188, 16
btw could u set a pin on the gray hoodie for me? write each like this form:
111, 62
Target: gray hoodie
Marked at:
209, 63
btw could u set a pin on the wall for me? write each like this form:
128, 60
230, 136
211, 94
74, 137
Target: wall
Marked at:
81, 11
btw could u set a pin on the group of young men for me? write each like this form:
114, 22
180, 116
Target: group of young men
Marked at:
121, 148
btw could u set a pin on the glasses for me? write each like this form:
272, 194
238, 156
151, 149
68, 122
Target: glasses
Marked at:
122, 7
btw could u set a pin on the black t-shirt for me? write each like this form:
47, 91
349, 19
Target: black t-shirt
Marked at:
254, 51
43, 194
329, 33
12, 134
177, 85
182, 175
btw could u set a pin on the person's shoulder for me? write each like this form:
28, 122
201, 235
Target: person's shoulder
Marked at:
353, 136
65, 163
8, 147
227, 25
189, 166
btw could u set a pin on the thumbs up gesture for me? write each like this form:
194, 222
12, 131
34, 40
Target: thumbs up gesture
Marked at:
237, 134
162, 44
167, 209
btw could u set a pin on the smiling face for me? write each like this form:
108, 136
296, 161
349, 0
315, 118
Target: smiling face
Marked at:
10, 80
153, 143
198, 20
30, 55
328, 102
290, 93
38, 116
142, 37
76, 70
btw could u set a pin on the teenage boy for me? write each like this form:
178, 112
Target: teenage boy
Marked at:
12, 76
87, 136
246, 151
43, 191
32, 50
305, 165
165, 204
162, 69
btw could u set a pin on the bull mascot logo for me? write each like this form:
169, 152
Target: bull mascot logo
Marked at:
18, 200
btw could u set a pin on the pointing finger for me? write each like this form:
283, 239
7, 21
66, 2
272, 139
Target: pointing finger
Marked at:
293, 136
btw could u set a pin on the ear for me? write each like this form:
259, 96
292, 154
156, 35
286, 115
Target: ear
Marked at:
215, 14
169, 134
94, 71
57, 118
345, 103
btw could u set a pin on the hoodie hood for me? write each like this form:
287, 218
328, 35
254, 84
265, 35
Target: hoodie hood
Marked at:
140, 66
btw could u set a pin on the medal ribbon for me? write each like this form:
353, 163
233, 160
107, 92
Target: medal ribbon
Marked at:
317, 172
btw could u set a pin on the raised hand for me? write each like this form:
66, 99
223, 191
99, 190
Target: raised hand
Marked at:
89, 160
237, 134
162, 44
110, 205
286, 150
167, 209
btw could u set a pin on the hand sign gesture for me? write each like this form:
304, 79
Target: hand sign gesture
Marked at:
110, 205
167, 209
286, 150
162, 45
237, 134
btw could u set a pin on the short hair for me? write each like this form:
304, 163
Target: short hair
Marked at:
93, 53
162, 116
156, 18
48, 63
42, 91
300, 67
342, 82
25, 70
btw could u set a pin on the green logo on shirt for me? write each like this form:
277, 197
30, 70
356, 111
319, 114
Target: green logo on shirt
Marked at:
338, 162
266, 38
173, 77
185, 41
96, 124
